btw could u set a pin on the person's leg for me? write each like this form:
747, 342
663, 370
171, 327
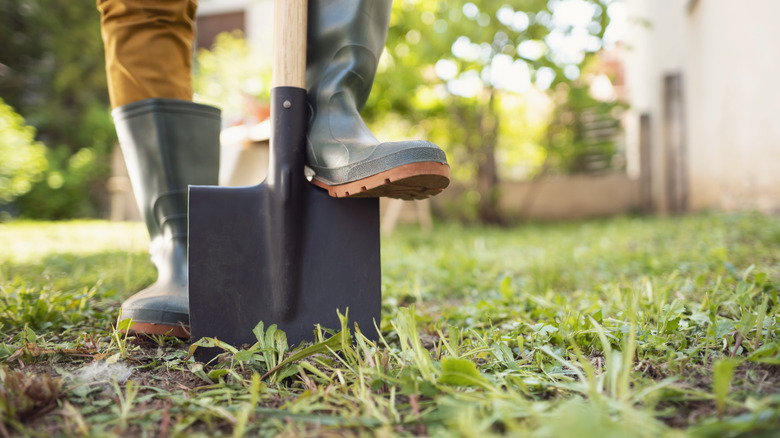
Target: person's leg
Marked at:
345, 41
168, 141
148, 47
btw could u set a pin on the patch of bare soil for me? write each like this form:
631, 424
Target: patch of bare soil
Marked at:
757, 378
688, 413
750, 379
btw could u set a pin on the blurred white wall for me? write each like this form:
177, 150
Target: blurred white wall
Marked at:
728, 56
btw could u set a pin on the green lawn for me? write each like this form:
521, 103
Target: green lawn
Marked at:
622, 327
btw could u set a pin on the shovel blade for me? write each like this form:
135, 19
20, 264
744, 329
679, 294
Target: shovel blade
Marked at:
236, 281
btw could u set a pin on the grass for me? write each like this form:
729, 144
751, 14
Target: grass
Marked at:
622, 327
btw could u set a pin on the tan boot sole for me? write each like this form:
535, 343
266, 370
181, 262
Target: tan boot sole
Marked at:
148, 328
410, 181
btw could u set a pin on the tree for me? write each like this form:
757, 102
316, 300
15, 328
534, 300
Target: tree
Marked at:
52, 72
449, 64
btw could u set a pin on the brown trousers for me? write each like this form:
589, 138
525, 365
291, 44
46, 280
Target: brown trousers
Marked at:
148, 46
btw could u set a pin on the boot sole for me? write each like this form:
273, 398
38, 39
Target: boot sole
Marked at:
408, 182
148, 328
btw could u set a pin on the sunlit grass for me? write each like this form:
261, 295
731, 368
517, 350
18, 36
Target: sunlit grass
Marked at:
621, 327
31, 241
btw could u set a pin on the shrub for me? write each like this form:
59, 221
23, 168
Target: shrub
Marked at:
23, 159
72, 188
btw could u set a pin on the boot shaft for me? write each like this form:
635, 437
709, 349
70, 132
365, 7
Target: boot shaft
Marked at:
168, 145
345, 40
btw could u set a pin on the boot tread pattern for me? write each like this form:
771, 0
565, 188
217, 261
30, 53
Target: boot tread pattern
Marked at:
407, 182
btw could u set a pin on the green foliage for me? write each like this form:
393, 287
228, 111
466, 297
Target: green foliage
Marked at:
119, 338
24, 159
41, 310
723, 372
54, 76
460, 372
582, 130
228, 73
71, 188
455, 71
269, 353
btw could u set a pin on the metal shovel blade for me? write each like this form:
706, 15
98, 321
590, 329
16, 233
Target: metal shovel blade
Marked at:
282, 252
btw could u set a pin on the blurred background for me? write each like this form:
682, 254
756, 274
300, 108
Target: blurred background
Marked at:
548, 110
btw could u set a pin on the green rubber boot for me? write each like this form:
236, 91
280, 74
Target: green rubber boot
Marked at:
345, 41
168, 144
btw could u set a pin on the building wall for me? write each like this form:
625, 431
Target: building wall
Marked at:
570, 197
727, 53
556, 198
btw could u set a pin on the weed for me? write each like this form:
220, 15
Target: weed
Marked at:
119, 335
125, 406
24, 395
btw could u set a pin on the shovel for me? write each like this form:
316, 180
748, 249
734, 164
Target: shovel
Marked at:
282, 252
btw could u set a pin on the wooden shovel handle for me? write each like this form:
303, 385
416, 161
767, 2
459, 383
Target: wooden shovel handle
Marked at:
290, 43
